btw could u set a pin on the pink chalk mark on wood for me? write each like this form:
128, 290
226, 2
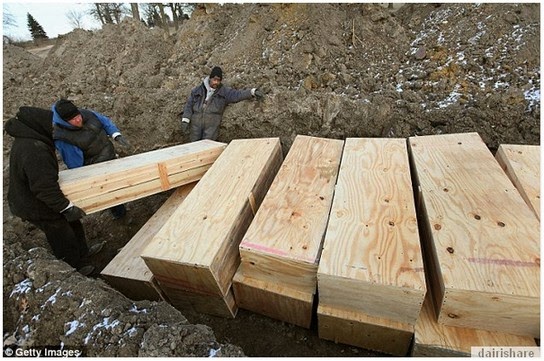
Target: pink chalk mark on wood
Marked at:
504, 262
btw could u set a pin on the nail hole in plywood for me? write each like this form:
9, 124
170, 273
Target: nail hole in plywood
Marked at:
450, 250
501, 224
477, 217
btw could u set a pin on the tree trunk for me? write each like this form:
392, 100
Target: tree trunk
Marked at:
175, 18
164, 20
99, 13
135, 11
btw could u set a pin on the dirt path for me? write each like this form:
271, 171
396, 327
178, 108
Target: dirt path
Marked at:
41, 52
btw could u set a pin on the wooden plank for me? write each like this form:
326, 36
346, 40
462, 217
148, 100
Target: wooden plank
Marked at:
372, 261
483, 243
273, 300
103, 185
358, 329
197, 249
434, 339
522, 165
127, 271
283, 244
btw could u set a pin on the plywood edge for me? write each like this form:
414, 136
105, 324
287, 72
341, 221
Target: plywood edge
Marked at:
520, 166
401, 304
222, 306
274, 287
274, 300
496, 312
434, 339
267, 268
360, 330
135, 289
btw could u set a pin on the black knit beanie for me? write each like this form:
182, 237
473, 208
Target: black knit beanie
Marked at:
216, 72
66, 109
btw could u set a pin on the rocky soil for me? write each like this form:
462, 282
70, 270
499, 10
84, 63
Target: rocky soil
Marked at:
329, 70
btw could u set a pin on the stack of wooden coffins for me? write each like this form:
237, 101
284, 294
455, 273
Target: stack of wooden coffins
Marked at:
195, 254
386, 243
481, 246
280, 251
371, 277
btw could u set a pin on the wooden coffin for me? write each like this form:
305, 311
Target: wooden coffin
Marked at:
103, 185
283, 244
197, 249
480, 240
372, 261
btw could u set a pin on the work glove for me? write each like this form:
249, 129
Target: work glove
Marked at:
73, 213
122, 141
257, 93
185, 124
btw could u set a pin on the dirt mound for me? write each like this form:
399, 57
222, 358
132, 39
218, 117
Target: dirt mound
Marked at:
329, 70
48, 303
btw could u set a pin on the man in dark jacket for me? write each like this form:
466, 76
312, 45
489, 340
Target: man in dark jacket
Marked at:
34, 194
82, 138
204, 109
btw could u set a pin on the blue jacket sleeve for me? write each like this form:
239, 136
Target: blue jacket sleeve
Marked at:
71, 155
107, 123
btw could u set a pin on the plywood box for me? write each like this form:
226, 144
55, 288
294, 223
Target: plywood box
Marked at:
361, 330
482, 242
434, 339
100, 186
283, 244
522, 165
197, 249
127, 271
372, 261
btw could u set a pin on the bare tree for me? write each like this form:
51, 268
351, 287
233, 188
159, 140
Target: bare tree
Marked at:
155, 15
108, 13
164, 18
135, 11
7, 19
75, 18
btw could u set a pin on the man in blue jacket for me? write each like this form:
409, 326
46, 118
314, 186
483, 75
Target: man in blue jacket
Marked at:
204, 109
82, 138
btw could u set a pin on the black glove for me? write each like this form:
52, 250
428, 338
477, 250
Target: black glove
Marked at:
122, 141
73, 213
259, 94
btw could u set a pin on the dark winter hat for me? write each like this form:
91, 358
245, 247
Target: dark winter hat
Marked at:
216, 72
66, 109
